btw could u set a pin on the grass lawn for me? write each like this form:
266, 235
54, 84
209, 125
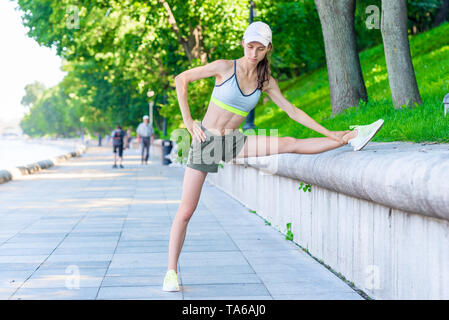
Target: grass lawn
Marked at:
423, 123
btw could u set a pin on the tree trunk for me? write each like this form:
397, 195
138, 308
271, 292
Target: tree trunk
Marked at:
401, 74
442, 14
193, 46
346, 83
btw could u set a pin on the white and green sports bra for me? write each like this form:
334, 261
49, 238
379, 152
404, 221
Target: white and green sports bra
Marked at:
229, 96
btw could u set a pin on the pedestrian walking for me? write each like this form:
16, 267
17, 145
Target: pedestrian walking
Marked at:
118, 136
239, 84
145, 134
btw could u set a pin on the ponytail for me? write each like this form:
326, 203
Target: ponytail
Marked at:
263, 70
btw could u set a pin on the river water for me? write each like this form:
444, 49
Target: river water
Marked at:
16, 152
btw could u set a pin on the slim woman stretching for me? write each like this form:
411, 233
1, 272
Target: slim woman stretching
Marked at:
240, 84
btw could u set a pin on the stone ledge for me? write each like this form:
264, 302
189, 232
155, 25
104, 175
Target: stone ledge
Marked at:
8, 175
406, 176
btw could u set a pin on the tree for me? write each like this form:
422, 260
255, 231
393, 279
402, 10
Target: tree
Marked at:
118, 50
32, 93
401, 74
194, 44
52, 114
443, 13
346, 83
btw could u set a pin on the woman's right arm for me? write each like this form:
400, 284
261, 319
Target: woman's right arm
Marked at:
182, 80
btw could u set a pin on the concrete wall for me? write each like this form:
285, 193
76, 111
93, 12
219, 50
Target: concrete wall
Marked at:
394, 246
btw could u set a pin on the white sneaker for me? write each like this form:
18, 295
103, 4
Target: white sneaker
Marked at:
365, 134
170, 281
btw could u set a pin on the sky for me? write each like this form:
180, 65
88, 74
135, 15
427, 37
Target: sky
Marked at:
22, 61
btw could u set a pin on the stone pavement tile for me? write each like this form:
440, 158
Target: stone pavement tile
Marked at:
144, 236
204, 234
212, 262
136, 271
47, 227
275, 267
254, 244
86, 234
134, 281
93, 257
320, 275
219, 278
142, 243
209, 248
72, 238
211, 290
37, 241
304, 286
210, 241
154, 233
96, 231
145, 249
319, 295
138, 292
18, 266
230, 298
40, 235
202, 217
13, 277
55, 294
234, 256
25, 251
84, 250
274, 254
69, 271
200, 238
102, 223
139, 260
11, 280
68, 280
75, 263
99, 243
22, 259
213, 269
6, 293
297, 262
209, 226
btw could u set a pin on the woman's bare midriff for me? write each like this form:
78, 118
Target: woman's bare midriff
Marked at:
220, 121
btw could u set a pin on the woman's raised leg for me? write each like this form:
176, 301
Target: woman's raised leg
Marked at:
191, 191
258, 146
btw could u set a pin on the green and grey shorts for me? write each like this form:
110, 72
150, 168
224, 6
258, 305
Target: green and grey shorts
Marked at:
205, 156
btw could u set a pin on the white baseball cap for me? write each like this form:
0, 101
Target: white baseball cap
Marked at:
258, 31
145, 117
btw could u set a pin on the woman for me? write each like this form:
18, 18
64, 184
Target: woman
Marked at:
239, 84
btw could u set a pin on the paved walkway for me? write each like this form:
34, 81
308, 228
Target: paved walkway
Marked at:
82, 230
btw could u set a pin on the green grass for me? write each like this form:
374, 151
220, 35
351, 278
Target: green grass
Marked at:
423, 123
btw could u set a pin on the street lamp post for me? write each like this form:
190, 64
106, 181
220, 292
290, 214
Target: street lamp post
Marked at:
151, 111
164, 124
249, 122
150, 105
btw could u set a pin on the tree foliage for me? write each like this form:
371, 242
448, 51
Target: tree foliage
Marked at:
116, 50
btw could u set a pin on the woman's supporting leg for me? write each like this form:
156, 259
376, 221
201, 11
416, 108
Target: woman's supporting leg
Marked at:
257, 146
191, 191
